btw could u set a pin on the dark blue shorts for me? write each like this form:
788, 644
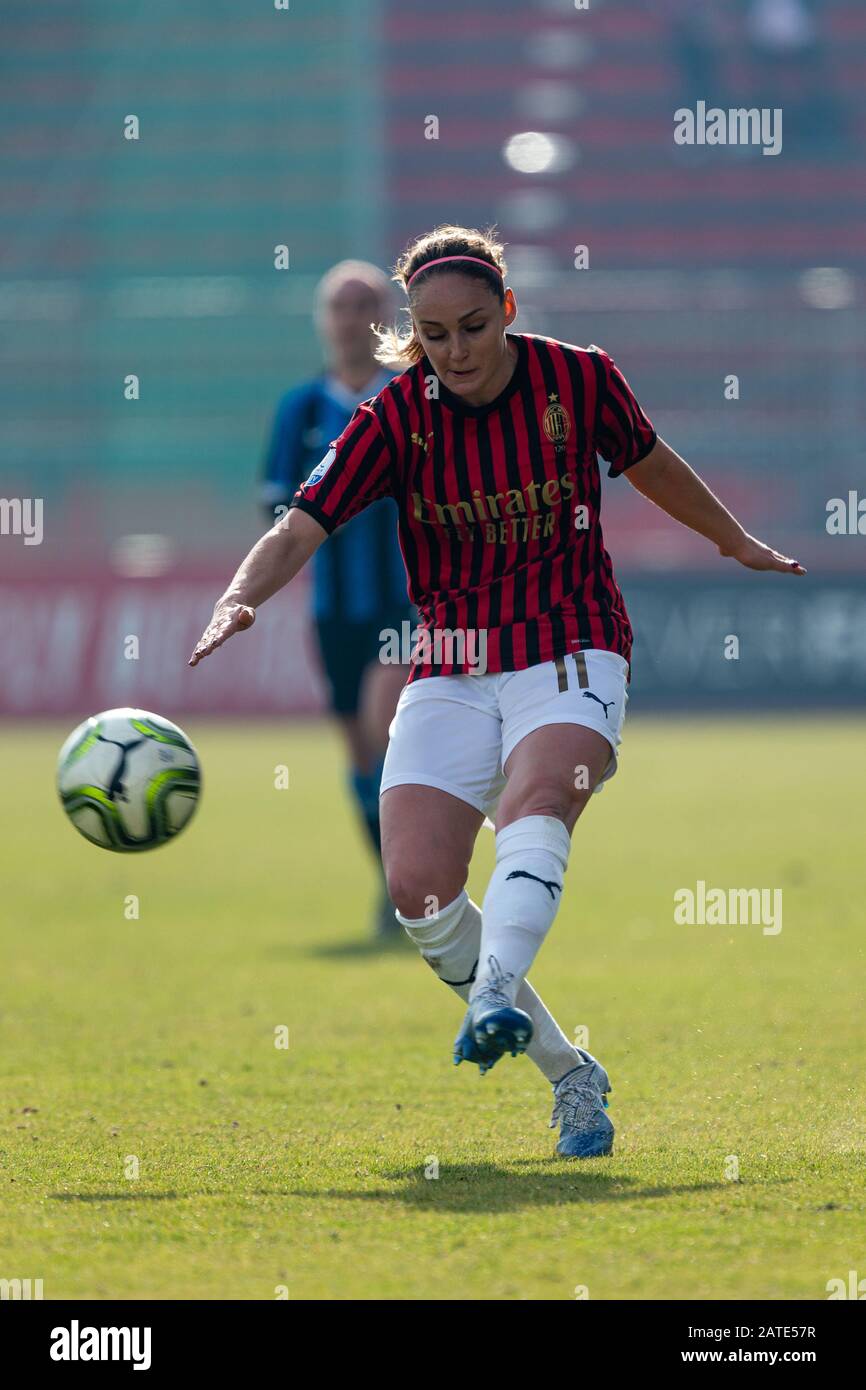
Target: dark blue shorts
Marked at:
348, 648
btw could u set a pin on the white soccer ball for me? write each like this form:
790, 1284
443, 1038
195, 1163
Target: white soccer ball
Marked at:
128, 780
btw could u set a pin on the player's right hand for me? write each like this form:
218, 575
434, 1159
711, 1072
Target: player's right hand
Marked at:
756, 556
227, 619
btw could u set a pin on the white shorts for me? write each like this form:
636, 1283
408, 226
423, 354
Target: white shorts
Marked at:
458, 732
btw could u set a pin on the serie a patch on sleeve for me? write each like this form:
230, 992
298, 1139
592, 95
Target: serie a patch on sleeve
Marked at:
321, 469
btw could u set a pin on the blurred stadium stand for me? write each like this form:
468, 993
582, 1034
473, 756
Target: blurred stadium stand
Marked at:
156, 256
307, 128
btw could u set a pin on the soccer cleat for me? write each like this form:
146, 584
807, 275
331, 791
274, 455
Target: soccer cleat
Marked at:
466, 1049
492, 1025
579, 1105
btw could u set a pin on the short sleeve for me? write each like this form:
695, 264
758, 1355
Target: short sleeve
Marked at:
624, 434
357, 469
283, 459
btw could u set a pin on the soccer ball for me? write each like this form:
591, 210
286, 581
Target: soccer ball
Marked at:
128, 780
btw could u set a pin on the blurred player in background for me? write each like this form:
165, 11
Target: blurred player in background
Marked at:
359, 581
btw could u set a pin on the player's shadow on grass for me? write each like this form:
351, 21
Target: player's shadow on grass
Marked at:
368, 949
121, 1196
490, 1187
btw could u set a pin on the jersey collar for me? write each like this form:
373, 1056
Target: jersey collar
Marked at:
461, 407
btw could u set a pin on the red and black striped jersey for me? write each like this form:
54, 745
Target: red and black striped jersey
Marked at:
499, 505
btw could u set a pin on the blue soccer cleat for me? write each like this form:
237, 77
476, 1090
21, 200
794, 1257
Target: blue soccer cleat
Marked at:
579, 1109
466, 1049
492, 1026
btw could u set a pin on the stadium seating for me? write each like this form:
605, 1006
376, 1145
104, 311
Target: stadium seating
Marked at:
155, 257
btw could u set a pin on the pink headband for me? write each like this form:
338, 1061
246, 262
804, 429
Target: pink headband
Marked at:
441, 259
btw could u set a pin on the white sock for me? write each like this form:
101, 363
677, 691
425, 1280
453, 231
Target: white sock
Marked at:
522, 899
450, 942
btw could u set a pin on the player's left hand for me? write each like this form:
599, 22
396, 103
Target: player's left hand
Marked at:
756, 556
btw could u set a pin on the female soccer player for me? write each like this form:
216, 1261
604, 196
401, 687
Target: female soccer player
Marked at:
488, 441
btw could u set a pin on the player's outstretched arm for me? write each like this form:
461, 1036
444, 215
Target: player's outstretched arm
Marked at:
667, 480
272, 562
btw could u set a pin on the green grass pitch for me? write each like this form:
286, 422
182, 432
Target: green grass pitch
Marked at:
262, 1169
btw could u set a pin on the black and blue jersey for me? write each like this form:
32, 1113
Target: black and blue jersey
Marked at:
359, 576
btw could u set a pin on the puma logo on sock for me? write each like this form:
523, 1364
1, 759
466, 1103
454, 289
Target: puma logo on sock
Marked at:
549, 884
